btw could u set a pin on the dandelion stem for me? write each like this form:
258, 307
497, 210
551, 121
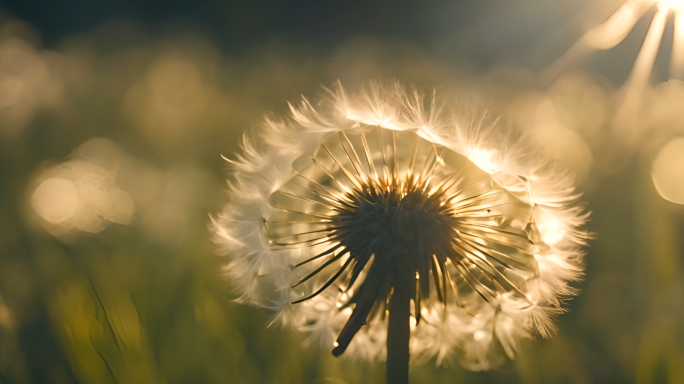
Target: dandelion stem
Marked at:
398, 333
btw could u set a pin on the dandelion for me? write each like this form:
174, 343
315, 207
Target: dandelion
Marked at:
383, 223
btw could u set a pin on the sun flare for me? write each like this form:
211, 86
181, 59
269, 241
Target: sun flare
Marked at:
616, 28
675, 5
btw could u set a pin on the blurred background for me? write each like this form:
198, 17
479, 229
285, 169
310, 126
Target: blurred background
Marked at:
114, 116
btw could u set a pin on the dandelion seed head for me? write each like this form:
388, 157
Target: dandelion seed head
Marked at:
396, 193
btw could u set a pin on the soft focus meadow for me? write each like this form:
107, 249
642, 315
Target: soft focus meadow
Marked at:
111, 136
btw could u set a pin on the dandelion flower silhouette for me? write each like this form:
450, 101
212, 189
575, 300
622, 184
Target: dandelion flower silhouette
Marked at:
383, 218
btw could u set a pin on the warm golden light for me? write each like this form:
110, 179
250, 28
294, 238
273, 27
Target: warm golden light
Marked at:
551, 230
675, 5
614, 30
488, 161
677, 59
55, 200
668, 171
82, 192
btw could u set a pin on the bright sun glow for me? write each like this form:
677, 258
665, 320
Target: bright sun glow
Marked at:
676, 5
551, 230
488, 161
614, 30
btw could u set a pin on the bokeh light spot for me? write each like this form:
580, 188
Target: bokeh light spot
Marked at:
668, 171
55, 200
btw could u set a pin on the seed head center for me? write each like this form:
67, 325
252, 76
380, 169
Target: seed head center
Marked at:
396, 223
